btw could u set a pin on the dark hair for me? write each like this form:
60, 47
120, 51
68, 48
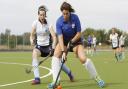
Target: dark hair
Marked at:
43, 8
66, 6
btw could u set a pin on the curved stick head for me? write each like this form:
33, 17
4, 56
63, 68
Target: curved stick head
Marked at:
28, 70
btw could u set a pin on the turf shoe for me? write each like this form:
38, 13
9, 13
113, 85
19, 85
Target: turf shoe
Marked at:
52, 85
71, 77
36, 81
100, 82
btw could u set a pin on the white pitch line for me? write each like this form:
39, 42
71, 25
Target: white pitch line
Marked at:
25, 80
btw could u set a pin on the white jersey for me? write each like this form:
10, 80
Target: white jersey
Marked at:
114, 39
121, 40
94, 40
42, 33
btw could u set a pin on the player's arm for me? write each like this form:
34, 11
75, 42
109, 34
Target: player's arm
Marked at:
110, 39
78, 28
60, 34
32, 36
76, 37
60, 39
61, 42
53, 37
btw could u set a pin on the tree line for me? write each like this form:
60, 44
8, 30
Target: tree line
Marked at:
12, 40
102, 35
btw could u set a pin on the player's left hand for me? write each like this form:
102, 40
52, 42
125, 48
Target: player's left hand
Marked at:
52, 52
70, 44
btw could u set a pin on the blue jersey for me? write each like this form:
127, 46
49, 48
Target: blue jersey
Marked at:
68, 28
89, 39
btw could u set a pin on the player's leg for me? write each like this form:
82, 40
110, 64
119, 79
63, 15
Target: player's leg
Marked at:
66, 69
88, 65
56, 65
87, 49
117, 53
91, 49
123, 52
95, 48
36, 53
68, 72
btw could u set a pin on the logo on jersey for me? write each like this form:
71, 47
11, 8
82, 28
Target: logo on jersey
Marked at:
38, 46
73, 25
46, 30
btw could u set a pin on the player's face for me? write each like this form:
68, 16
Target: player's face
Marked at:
42, 15
113, 31
66, 15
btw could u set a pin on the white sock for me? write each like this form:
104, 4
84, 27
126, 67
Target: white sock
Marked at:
90, 68
87, 52
123, 55
35, 68
55, 68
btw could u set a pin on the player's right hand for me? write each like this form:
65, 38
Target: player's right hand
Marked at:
31, 42
70, 44
52, 52
109, 41
64, 56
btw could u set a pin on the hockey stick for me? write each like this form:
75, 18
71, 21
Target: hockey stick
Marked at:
63, 61
29, 70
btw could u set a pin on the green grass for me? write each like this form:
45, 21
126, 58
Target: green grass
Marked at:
114, 74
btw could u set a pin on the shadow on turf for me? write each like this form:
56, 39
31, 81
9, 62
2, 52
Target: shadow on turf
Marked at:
111, 84
76, 80
82, 83
79, 83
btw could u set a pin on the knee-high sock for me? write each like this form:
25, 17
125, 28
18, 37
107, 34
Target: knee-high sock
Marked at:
123, 55
91, 68
35, 68
117, 56
55, 68
65, 68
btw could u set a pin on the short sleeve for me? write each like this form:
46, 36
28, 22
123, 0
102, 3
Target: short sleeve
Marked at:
78, 24
110, 37
34, 24
58, 28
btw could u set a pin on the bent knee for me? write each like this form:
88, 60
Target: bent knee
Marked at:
83, 60
35, 54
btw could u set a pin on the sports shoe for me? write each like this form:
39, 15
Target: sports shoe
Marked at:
71, 77
36, 81
100, 82
52, 85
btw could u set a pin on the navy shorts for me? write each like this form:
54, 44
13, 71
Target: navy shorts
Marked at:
115, 47
89, 45
45, 50
73, 45
122, 46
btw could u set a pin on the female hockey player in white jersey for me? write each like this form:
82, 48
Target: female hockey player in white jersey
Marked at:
114, 39
122, 45
40, 37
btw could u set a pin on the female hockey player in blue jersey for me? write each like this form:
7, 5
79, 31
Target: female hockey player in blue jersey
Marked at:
69, 31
